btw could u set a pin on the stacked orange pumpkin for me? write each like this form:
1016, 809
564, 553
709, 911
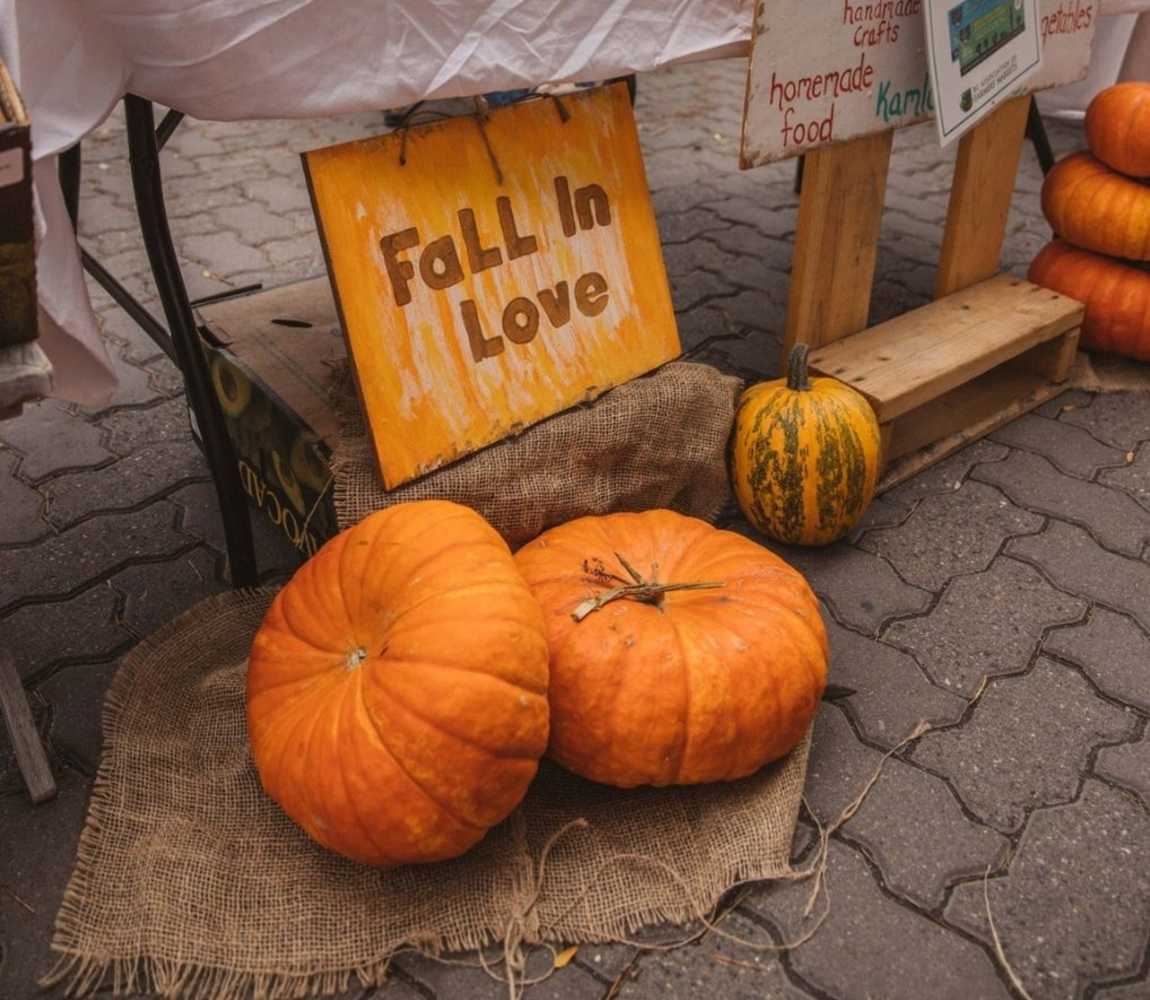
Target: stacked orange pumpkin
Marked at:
1098, 203
406, 681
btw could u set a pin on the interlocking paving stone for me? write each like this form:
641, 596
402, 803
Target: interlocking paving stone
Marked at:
254, 223
698, 286
757, 254
124, 484
605, 960
755, 357
393, 989
1075, 904
1113, 651
1119, 419
155, 593
129, 430
82, 628
861, 589
88, 551
985, 625
772, 218
50, 438
1070, 449
891, 693
572, 982
953, 533
947, 475
881, 513
23, 507
676, 227
225, 246
1131, 991
714, 967
1072, 399
1026, 744
1072, 559
1134, 478
839, 765
200, 519
1128, 765
1033, 482
916, 832
73, 693
870, 945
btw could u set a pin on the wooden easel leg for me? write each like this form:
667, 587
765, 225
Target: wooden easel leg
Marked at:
980, 197
30, 757
836, 243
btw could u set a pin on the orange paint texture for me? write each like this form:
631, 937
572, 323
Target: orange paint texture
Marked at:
578, 301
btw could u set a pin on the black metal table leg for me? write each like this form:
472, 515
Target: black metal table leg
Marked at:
1036, 133
143, 151
70, 161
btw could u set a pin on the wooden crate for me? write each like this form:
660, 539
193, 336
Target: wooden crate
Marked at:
989, 348
958, 367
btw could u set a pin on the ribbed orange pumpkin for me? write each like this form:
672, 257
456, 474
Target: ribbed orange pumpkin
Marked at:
1118, 127
679, 653
1117, 296
397, 690
1094, 207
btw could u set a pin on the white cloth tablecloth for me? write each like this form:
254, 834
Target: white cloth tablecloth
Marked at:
238, 59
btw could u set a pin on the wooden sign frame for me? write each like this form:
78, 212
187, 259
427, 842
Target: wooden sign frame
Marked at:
492, 270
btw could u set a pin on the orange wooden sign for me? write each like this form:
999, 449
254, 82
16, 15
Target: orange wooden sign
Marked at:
490, 274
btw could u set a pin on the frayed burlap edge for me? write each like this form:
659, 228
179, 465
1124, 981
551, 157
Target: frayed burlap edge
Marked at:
83, 974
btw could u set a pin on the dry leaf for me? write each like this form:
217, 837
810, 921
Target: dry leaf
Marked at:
565, 956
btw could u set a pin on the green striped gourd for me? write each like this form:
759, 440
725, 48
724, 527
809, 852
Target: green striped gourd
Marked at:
805, 456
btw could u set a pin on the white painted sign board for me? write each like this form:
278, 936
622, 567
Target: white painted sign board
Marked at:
824, 71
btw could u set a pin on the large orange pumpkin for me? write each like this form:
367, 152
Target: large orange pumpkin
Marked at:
1117, 296
1094, 207
679, 653
1118, 127
397, 691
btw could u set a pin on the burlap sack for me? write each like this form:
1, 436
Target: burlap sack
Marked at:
189, 881
657, 441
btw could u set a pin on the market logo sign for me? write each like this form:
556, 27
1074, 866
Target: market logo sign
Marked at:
490, 273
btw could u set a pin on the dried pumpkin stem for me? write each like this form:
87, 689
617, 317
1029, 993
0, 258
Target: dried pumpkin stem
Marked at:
647, 591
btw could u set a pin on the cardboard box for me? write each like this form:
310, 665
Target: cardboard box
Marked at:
17, 247
274, 356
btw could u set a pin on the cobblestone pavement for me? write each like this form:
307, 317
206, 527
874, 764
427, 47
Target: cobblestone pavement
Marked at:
1020, 563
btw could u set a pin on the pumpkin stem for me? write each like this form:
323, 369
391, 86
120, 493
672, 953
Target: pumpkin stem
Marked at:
645, 591
797, 369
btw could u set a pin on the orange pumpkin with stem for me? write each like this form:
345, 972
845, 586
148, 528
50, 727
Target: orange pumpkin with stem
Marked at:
679, 653
397, 688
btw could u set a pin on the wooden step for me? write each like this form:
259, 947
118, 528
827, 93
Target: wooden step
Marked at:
918, 357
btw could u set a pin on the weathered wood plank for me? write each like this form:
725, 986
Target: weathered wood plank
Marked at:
26, 745
836, 242
914, 358
980, 195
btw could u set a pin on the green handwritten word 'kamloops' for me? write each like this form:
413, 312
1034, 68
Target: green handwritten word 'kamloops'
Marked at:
913, 102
